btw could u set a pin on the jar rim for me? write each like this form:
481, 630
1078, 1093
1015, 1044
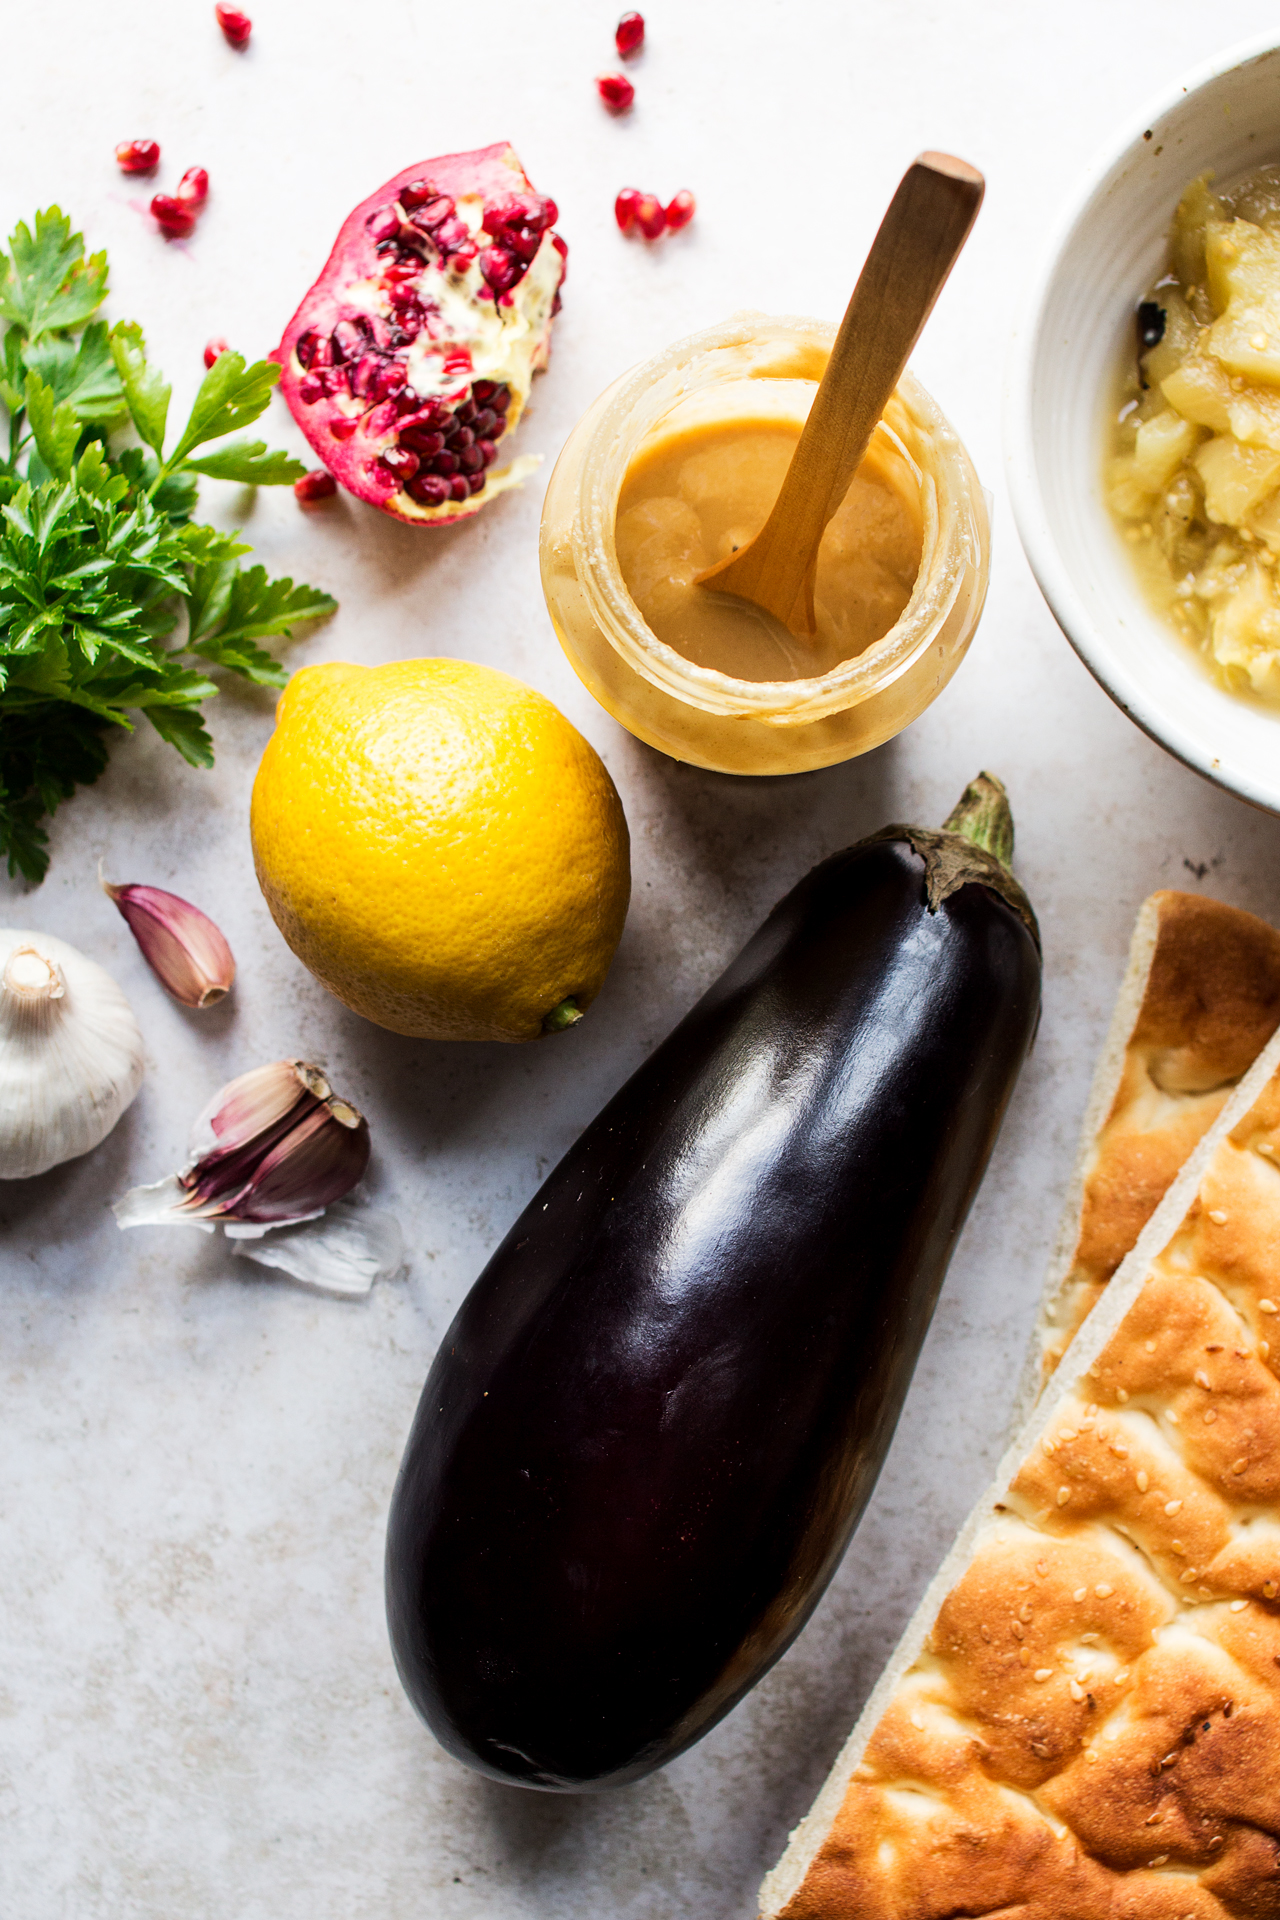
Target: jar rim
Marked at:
757, 345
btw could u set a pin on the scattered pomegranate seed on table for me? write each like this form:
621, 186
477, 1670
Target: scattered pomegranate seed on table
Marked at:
615, 90
624, 208
193, 188
319, 484
629, 37
651, 216
236, 26
175, 220
680, 210
138, 156
214, 350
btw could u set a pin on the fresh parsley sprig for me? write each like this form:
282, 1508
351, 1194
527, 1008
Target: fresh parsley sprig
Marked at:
101, 561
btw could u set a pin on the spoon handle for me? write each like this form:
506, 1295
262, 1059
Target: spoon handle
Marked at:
920, 237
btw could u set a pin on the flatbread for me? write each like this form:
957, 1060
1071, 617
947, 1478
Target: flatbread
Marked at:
1199, 1001
1082, 1721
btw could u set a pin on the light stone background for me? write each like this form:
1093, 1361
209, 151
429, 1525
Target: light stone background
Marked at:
198, 1711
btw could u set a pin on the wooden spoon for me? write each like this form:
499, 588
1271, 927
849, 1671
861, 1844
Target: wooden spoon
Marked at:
920, 238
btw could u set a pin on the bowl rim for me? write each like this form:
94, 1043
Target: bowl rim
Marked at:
1021, 473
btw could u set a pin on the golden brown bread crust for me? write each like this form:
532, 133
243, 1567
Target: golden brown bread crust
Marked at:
1210, 1004
1092, 1728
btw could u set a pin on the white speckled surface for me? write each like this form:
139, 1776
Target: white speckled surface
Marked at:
198, 1712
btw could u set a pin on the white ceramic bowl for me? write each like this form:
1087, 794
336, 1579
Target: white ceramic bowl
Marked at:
1100, 261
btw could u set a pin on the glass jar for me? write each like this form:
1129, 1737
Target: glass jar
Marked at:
755, 366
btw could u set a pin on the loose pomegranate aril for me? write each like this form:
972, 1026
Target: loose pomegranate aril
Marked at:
615, 90
628, 35
138, 156
378, 361
175, 220
236, 26
214, 350
193, 188
319, 484
651, 216
624, 207
680, 210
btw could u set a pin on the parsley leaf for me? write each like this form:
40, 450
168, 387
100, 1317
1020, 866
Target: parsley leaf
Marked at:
47, 282
113, 600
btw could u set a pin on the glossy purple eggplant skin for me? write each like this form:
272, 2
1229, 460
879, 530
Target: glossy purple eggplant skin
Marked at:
651, 1429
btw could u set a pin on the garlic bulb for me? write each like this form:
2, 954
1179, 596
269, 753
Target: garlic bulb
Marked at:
70, 1053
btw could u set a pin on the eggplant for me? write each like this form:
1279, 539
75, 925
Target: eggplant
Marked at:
655, 1421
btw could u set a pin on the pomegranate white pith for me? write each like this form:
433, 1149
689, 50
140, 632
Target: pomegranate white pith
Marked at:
413, 354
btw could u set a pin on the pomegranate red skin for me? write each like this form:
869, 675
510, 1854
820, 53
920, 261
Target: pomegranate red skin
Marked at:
493, 173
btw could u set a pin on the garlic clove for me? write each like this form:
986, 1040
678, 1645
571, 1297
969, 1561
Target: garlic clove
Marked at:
186, 952
71, 1055
283, 1147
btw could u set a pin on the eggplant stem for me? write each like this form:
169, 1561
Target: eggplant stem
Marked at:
984, 818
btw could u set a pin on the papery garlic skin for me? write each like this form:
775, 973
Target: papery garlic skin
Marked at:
71, 1053
187, 953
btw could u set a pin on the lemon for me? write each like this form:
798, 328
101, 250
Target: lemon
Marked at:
441, 848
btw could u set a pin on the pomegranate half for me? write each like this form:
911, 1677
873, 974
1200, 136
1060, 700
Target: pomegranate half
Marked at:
414, 352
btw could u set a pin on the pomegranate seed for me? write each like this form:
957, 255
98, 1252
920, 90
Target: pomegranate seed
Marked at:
500, 400
423, 442
138, 156
428, 489
342, 426
414, 193
474, 482
383, 224
681, 210
629, 34
485, 419
214, 350
624, 207
311, 388
460, 439
471, 460
499, 269
401, 462
487, 451
483, 389
236, 27
459, 487
175, 220
319, 484
193, 188
466, 413
615, 90
445, 463
650, 216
